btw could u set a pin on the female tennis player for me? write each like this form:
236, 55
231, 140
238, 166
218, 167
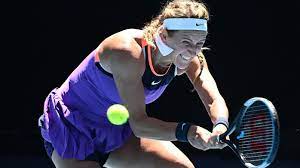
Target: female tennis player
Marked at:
133, 67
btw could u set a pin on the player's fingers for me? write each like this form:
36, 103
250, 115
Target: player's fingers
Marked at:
214, 142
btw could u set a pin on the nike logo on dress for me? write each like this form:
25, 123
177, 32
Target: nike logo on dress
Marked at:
155, 83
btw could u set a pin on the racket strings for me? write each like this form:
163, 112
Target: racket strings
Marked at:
267, 141
257, 128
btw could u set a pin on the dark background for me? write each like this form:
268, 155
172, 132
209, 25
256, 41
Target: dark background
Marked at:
45, 40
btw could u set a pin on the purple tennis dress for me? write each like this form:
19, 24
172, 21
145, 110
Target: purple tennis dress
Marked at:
74, 119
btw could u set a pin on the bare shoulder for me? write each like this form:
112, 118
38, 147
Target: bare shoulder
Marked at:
126, 41
121, 53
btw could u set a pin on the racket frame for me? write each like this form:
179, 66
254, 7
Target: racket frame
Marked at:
236, 124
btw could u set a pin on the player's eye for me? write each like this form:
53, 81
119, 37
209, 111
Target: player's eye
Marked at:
186, 43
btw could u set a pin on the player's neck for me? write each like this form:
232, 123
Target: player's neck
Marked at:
160, 60
161, 63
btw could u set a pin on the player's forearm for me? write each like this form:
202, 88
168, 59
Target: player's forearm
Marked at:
154, 129
218, 109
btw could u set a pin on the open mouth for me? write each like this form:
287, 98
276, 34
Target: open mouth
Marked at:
184, 58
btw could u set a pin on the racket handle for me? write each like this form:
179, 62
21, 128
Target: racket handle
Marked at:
220, 138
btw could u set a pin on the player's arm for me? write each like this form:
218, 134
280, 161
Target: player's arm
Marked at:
207, 90
127, 65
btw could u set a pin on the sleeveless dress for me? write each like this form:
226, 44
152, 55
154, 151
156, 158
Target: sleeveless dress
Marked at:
74, 119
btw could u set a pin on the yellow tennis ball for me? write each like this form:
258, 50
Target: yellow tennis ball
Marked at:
117, 114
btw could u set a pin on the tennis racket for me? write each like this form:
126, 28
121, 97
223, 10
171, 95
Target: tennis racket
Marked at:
254, 134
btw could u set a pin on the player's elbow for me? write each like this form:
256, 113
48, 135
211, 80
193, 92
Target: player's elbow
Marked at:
137, 126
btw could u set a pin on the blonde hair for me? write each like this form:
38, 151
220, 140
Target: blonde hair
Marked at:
176, 9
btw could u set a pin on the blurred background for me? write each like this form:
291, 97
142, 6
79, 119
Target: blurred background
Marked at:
43, 41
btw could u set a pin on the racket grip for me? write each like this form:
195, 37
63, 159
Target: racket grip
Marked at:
220, 138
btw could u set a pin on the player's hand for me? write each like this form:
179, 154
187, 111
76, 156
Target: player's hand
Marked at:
199, 137
213, 140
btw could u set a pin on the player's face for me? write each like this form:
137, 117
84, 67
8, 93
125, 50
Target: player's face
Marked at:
186, 44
